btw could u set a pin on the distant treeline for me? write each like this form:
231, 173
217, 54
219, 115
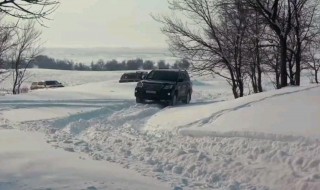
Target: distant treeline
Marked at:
46, 62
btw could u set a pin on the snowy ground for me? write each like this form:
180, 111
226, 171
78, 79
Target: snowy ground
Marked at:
264, 141
28, 162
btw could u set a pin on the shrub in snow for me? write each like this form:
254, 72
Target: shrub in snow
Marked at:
24, 90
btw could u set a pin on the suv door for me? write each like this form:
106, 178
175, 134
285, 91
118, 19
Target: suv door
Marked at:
183, 85
188, 83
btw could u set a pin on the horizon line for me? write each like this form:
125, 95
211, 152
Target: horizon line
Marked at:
106, 47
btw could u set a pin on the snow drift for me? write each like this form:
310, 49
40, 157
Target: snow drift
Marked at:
264, 141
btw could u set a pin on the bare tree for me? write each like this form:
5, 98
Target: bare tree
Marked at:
294, 23
240, 40
29, 9
201, 37
255, 51
306, 28
278, 15
26, 48
313, 60
6, 36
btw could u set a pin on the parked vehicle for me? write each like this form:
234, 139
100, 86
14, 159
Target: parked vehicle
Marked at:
37, 85
133, 76
53, 84
165, 85
45, 84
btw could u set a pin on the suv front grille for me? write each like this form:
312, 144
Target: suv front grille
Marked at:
149, 86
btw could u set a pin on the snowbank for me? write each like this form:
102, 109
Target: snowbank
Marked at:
287, 113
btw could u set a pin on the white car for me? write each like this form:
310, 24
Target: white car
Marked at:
45, 84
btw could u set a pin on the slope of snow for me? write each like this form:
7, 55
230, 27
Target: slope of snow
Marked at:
27, 162
255, 142
288, 112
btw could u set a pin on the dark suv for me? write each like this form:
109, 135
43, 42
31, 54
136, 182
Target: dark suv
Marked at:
133, 77
166, 85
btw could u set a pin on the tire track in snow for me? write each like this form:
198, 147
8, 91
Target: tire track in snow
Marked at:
113, 134
187, 162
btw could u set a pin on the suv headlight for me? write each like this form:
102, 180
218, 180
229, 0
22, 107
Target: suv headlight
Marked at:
140, 85
168, 87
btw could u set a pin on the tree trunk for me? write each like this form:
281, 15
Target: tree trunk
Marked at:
297, 29
298, 64
234, 90
258, 61
254, 83
15, 83
316, 76
291, 73
259, 78
283, 62
258, 66
241, 88
233, 82
277, 72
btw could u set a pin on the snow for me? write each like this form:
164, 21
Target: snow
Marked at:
27, 162
98, 137
272, 114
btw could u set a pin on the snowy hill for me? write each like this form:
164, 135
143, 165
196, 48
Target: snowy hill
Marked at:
287, 112
263, 141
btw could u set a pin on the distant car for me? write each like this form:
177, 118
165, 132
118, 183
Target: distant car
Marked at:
53, 84
166, 85
46, 84
133, 76
37, 85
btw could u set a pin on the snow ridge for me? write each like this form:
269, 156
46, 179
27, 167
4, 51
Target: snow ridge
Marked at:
188, 162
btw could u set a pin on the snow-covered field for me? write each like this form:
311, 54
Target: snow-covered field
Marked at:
264, 141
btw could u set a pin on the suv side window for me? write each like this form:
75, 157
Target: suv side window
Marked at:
181, 76
187, 76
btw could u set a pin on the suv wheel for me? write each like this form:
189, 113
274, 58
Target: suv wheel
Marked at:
139, 100
187, 99
173, 100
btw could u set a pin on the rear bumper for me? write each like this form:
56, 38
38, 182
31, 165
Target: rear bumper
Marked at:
163, 95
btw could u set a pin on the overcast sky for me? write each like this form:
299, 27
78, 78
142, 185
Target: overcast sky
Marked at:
105, 23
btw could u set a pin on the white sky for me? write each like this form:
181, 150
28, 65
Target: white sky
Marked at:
105, 23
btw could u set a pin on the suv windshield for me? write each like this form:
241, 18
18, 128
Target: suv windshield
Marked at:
51, 82
163, 75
